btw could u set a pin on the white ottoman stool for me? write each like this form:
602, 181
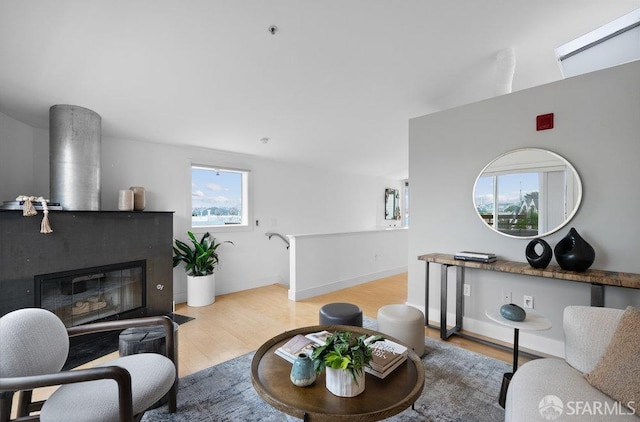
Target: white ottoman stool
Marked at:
405, 323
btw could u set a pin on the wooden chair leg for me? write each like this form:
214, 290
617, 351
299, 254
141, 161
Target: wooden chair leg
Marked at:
173, 397
24, 402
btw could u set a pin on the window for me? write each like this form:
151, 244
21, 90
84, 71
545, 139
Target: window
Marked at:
219, 197
516, 208
406, 204
614, 43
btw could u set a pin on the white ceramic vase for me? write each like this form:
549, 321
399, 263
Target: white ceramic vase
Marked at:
340, 382
201, 290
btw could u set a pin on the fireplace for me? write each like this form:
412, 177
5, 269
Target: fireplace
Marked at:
99, 241
91, 294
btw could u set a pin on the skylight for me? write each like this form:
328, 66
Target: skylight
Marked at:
612, 44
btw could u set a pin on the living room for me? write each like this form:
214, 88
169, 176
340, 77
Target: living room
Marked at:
596, 130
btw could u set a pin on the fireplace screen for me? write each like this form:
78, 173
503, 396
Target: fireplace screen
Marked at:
81, 296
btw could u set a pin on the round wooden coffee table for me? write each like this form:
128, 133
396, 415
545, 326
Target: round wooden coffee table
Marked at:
381, 398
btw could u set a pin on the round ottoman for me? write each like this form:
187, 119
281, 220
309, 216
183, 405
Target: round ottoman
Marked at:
405, 323
341, 314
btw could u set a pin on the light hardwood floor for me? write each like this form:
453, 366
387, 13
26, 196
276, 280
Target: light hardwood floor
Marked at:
238, 323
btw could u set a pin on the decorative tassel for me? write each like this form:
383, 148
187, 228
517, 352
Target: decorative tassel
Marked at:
45, 227
28, 209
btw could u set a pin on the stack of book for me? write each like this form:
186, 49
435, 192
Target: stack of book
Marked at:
301, 344
475, 256
18, 205
387, 356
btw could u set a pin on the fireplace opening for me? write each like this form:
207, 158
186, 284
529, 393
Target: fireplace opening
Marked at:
90, 294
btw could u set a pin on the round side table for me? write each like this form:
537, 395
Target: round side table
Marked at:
532, 322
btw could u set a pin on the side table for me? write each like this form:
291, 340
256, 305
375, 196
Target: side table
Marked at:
149, 339
533, 322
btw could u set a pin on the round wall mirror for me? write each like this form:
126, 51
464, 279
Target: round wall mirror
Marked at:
527, 193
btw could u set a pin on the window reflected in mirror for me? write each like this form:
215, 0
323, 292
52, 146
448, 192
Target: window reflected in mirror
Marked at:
527, 193
391, 204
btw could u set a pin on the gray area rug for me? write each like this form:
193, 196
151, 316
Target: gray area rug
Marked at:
459, 386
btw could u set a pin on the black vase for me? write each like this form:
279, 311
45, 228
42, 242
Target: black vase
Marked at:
535, 260
573, 253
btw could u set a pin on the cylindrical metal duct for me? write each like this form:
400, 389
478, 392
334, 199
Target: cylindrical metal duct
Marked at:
75, 138
505, 68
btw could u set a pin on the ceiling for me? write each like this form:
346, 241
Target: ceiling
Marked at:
334, 87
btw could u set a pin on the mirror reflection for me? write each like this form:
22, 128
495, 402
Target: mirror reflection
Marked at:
527, 193
391, 204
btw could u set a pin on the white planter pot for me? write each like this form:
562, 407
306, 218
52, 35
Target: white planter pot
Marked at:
201, 291
340, 382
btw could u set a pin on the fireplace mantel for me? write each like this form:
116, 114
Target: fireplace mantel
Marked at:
83, 239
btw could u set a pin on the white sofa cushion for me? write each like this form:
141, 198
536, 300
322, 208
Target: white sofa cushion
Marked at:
617, 374
588, 331
540, 379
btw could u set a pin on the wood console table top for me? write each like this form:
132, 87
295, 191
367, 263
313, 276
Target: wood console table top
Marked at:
606, 278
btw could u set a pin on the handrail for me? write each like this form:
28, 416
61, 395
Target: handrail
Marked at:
284, 239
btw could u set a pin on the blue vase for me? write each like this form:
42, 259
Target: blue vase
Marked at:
302, 371
513, 312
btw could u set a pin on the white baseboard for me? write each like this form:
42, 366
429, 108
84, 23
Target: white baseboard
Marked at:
338, 285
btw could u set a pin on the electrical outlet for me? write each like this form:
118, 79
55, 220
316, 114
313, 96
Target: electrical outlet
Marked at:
528, 302
467, 290
506, 297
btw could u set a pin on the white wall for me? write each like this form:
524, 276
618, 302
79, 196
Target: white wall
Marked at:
287, 198
323, 263
16, 175
597, 129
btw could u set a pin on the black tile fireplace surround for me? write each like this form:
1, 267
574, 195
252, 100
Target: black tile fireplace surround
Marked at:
84, 239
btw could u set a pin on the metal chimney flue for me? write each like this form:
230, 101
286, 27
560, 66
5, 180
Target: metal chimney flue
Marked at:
75, 137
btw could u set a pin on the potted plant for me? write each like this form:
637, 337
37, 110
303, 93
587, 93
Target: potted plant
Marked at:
200, 260
344, 358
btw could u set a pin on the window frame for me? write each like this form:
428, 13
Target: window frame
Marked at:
247, 205
543, 173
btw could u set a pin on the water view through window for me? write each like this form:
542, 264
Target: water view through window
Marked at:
217, 197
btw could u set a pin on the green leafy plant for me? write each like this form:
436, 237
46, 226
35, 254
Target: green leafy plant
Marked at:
200, 258
343, 350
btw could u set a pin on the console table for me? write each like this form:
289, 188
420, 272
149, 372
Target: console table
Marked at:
597, 278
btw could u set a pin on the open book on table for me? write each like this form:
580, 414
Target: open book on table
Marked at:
302, 344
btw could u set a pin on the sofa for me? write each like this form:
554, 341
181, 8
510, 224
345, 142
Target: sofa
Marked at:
602, 353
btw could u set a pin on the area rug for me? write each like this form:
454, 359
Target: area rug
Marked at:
99, 345
459, 386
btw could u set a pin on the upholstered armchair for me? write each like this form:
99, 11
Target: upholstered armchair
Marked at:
598, 379
34, 344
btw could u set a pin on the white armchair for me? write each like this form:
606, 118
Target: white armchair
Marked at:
34, 344
559, 386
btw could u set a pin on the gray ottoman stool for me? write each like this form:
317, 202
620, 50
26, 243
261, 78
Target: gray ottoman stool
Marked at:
405, 323
341, 314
